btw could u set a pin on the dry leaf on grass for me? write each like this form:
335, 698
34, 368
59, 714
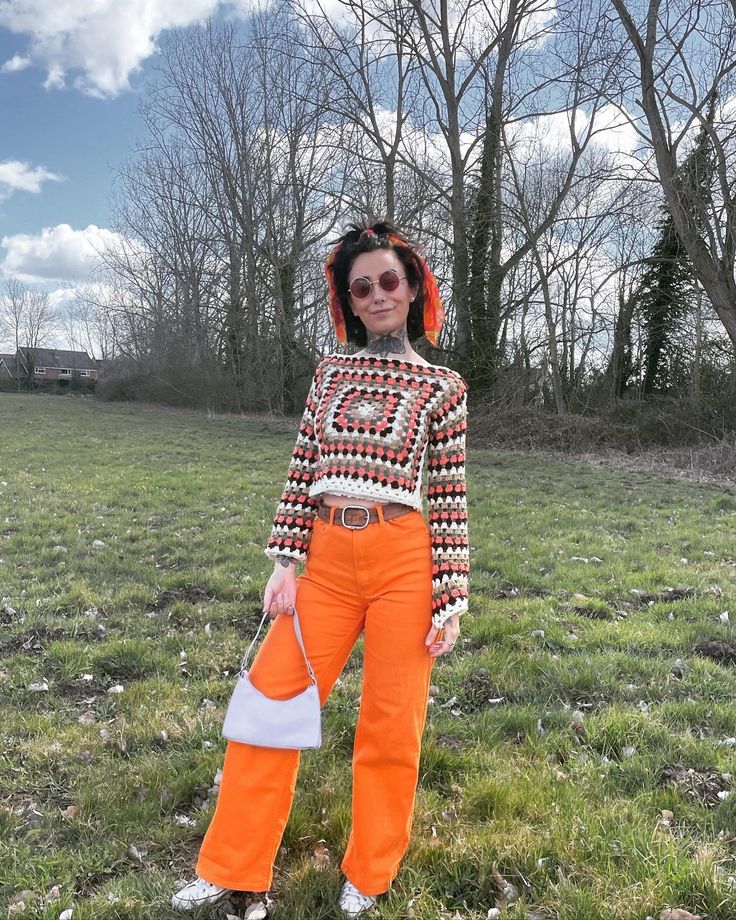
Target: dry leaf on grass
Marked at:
321, 855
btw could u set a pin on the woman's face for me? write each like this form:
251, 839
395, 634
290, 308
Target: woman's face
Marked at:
381, 312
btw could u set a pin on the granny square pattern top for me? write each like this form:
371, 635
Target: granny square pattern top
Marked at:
386, 430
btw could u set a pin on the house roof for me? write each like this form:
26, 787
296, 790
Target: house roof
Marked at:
59, 357
10, 362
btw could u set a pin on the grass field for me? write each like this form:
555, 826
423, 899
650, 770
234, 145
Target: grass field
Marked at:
587, 765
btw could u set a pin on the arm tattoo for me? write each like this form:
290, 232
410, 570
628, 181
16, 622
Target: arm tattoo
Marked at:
286, 561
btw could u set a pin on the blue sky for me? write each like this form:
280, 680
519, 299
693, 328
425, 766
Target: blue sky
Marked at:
66, 132
71, 134
71, 75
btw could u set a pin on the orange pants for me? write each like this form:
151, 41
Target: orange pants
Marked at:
376, 580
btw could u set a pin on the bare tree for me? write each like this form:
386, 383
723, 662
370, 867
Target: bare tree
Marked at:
31, 318
16, 299
247, 116
683, 61
98, 316
263, 135
452, 67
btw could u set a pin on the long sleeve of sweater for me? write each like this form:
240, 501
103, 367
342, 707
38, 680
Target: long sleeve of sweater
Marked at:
447, 506
292, 524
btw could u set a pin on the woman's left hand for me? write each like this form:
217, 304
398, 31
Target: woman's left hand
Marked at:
443, 640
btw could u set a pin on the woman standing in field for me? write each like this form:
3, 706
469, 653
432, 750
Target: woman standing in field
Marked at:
351, 510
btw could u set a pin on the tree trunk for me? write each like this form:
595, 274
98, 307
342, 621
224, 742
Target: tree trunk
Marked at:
619, 368
714, 271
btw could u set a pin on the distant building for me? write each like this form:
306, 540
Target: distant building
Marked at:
47, 364
8, 367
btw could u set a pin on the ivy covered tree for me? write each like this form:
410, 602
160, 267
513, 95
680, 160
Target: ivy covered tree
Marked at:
664, 304
667, 288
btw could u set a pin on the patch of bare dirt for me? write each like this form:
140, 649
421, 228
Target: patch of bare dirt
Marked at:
668, 595
191, 594
720, 650
708, 788
34, 641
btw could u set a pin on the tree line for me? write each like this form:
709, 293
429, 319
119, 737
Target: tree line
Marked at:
568, 166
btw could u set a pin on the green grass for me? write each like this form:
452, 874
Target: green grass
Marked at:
558, 787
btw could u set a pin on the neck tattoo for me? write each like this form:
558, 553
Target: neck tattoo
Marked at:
392, 343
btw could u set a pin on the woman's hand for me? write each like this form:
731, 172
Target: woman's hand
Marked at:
441, 641
280, 594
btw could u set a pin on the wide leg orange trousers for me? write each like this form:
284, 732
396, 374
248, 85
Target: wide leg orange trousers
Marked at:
378, 581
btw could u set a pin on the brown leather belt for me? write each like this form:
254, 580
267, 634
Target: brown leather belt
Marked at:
356, 517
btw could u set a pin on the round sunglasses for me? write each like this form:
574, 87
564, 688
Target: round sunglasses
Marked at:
389, 280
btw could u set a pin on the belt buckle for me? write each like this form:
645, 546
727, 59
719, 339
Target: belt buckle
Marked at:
355, 526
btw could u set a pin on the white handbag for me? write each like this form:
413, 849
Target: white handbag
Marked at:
254, 718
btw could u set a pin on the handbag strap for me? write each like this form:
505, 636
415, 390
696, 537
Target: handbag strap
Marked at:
299, 639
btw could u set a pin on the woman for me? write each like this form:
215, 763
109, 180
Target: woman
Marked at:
351, 510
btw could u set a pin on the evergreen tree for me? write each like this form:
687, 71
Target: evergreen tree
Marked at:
664, 303
668, 280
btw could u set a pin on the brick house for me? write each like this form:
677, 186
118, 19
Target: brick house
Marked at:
47, 364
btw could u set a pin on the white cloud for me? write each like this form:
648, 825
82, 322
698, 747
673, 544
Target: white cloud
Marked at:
17, 62
17, 176
424, 148
611, 130
56, 253
470, 29
100, 43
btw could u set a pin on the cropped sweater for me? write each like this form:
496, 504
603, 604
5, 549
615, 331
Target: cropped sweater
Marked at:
369, 426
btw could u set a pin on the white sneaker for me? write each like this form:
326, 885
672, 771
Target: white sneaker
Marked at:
197, 893
353, 902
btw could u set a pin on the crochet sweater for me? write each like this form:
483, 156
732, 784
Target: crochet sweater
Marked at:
369, 426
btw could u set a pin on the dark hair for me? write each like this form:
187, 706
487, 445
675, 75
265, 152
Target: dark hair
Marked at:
355, 242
